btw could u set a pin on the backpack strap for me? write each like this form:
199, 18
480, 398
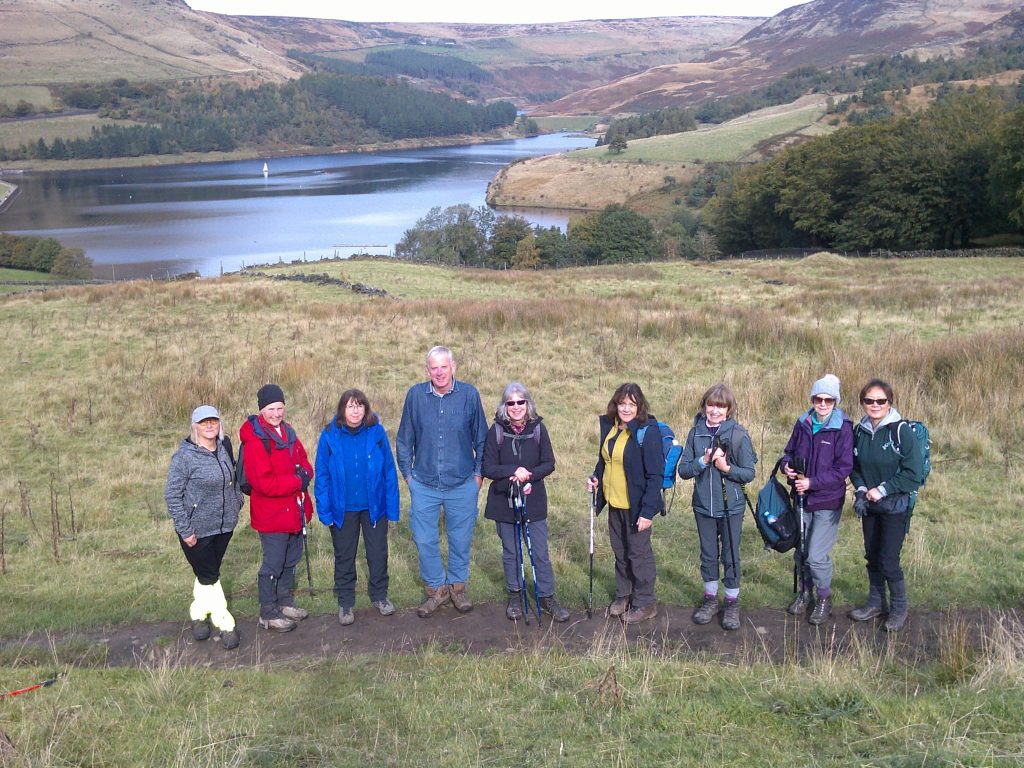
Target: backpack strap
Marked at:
499, 433
640, 434
229, 448
894, 431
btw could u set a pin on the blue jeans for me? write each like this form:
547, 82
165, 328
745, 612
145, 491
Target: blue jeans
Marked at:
460, 510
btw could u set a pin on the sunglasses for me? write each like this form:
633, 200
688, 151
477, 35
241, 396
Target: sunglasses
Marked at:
510, 403
823, 400
874, 400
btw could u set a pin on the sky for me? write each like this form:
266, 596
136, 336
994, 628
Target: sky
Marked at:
475, 11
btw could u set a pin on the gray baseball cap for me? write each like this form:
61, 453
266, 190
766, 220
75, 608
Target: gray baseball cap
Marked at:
204, 412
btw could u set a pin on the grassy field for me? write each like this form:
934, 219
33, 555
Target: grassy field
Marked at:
99, 382
18, 280
729, 142
569, 122
17, 132
37, 95
594, 178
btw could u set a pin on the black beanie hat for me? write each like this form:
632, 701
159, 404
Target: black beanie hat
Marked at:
269, 393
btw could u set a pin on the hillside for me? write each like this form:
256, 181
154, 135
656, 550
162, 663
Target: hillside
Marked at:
821, 33
45, 42
61, 41
593, 178
530, 62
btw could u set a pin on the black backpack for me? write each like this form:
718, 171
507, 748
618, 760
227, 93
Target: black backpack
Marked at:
240, 479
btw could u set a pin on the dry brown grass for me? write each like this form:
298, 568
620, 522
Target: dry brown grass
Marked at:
100, 381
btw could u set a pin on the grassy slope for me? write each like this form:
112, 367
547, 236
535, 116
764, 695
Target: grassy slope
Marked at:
100, 380
15, 133
593, 178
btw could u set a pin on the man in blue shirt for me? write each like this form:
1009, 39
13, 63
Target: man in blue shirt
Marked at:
440, 449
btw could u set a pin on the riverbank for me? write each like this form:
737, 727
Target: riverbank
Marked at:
188, 158
8, 192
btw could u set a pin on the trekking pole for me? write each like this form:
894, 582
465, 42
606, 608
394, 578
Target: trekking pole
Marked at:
593, 508
37, 686
529, 550
716, 443
516, 527
305, 542
800, 467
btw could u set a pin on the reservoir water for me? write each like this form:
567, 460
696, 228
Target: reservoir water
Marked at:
214, 217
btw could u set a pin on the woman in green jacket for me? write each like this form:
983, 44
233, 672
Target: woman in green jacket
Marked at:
888, 466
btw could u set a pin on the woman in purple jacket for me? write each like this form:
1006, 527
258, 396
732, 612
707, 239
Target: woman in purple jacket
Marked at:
822, 446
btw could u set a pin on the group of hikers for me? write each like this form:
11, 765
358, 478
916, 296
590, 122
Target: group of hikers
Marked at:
445, 449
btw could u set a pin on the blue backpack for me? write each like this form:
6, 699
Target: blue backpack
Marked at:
671, 451
776, 519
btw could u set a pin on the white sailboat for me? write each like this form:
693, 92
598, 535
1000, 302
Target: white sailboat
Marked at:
266, 170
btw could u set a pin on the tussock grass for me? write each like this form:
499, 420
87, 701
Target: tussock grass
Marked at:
99, 382
122, 366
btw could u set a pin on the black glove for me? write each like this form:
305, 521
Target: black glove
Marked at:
860, 503
304, 476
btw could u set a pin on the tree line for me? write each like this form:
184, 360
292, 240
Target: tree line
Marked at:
450, 70
937, 179
318, 110
478, 237
44, 254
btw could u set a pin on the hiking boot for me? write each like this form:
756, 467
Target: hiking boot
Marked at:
731, 614
294, 613
898, 604
229, 639
875, 606
460, 598
706, 610
385, 606
866, 612
636, 615
277, 624
200, 629
514, 609
799, 605
618, 607
346, 616
822, 610
551, 607
435, 599
894, 621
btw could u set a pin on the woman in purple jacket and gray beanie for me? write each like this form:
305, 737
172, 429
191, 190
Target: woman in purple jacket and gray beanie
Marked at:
822, 446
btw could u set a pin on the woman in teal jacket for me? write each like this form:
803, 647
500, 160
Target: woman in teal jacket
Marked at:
888, 466
356, 489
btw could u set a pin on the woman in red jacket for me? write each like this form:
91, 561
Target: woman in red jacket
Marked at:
279, 472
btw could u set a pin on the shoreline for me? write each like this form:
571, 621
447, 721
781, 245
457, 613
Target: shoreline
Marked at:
197, 158
7, 195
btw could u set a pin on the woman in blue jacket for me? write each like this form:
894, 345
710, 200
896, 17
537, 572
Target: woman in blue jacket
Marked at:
356, 489
719, 457
821, 448
628, 476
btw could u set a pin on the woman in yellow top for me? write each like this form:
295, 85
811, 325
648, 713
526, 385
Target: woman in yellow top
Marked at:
628, 478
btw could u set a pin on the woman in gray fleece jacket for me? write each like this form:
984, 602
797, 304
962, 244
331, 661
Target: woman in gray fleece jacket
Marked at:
203, 501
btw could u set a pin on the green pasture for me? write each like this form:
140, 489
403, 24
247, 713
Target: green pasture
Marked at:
37, 95
568, 122
14, 133
728, 142
100, 381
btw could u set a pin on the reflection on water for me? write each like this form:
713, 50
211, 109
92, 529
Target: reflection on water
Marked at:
220, 216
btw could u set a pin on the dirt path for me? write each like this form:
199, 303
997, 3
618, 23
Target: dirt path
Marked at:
765, 634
